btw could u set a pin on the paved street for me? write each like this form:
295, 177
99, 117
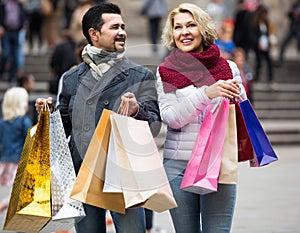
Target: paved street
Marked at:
268, 197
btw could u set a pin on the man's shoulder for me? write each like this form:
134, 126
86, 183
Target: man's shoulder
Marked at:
76, 70
139, 68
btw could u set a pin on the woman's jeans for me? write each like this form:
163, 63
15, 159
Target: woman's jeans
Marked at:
213, 213
95, 221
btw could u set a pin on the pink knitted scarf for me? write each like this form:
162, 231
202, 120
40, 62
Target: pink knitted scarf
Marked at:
181, 69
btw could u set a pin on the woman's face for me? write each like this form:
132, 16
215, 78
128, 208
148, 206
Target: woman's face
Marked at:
186, 33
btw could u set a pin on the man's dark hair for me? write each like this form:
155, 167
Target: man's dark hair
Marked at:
22, 80
93, 17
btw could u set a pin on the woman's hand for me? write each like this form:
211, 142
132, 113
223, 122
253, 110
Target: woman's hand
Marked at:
225, 88
133, 106
39, 103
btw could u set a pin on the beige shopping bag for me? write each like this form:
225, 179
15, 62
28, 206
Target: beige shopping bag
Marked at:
88, 186
135, 158
229, 165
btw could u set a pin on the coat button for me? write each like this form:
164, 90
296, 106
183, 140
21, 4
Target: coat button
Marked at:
86, 128
106, 102
89, 102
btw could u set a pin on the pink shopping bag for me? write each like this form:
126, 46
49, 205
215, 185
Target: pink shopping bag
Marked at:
203, 168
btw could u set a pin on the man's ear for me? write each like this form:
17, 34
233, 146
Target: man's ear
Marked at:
93, 34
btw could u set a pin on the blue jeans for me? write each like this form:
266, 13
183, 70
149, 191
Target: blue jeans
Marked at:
95, 222
213, 213
132, 222
10, 53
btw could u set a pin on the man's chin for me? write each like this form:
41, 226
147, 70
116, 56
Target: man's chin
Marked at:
120, 48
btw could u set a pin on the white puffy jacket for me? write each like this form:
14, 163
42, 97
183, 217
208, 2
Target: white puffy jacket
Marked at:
183, 111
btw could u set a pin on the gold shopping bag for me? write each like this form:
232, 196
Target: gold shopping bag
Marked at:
229, 165
134, 166
88, 186
64, 209
30, 207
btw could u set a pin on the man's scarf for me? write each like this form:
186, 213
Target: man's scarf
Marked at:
99, 60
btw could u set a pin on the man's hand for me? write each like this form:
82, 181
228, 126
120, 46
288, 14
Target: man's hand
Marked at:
40, 102
129, 99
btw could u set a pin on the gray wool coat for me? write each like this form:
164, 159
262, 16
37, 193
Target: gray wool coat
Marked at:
83, 99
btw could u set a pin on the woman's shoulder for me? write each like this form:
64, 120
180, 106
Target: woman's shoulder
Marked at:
232, 65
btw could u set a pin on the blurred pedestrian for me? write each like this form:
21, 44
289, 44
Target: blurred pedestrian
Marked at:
241, 36
246, 72
78, 52
12, 23
27, 81
225, 39
50, 24
68, 9
191, 78
13, 131
35, 22
217, 10
154, 10
75, 23
61, 60
261, 36
293, 30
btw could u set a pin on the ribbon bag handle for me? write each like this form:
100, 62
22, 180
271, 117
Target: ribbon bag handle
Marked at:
124, 107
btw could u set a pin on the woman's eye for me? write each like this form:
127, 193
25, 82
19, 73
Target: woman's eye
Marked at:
192, 25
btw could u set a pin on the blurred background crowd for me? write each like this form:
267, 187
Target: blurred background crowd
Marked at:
253, 33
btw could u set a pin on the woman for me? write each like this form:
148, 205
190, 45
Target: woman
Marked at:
192, 77
262, 41
13, 131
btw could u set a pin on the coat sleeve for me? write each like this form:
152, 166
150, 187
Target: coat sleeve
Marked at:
180, 107
148, 105
236, 75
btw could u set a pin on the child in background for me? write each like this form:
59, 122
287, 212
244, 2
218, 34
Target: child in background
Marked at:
13, 130
246, 73
225, 39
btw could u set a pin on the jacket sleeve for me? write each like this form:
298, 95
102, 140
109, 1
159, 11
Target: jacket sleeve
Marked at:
236, 75
148, 105
179, 108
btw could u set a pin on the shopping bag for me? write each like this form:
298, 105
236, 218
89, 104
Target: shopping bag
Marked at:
229, 164
245, 149
202, 171
64, 210
30, 206
135, 158
264, 152
88, 186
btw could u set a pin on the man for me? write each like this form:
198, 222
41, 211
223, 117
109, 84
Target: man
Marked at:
104, 78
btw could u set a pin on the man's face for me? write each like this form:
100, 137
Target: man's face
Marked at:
112, 36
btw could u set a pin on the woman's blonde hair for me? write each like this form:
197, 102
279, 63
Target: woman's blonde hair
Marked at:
203, 20
15, 103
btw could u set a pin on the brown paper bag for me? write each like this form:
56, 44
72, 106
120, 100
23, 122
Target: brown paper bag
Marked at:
30, 207
88, 186
142, 178
229, 165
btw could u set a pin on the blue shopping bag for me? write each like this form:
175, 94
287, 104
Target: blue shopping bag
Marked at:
263, 149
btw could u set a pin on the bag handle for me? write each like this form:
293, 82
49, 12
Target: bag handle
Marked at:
45, 107
124, 107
